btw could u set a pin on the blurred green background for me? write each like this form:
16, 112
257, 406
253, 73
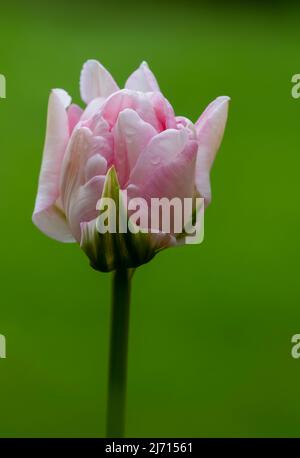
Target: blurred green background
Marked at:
211, 324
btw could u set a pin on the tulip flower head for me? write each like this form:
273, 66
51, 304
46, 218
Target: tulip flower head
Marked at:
105, 164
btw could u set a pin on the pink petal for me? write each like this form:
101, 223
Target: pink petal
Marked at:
131, 136
102, 136
96, 165
210, 129
184, 123
164, 110
92, 108
81, 147
79, 197
161, 150
48, 216
74, 115
173, 179
152, 108
84, 203
142, 80
96, 81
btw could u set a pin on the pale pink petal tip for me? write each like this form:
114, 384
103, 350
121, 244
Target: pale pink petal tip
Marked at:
63, 96
142, 80
210, 129
96, 81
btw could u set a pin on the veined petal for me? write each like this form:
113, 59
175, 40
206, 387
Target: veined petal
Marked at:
80, 148
210, 129
47, 215
131, 136
96, 81
142, 80
79, 196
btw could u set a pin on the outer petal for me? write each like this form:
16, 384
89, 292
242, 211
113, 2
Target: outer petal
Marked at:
48, 216
131, 136
96, 81
142, 80
210, 129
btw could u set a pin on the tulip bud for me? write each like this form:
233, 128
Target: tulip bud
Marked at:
126, 142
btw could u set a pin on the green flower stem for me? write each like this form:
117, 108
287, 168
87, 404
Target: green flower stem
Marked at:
116, 408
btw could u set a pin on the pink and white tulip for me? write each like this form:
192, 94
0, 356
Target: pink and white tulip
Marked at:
133, 131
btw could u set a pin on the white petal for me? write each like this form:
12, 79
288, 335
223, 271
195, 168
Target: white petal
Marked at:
47, 215
210, 129
142, 80
96, 81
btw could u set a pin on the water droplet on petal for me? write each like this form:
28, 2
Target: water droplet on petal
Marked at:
155, 160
